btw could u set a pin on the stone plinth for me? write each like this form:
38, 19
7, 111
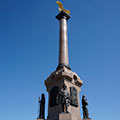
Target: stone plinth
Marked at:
87, 119
65, 116
40, 119
54, 83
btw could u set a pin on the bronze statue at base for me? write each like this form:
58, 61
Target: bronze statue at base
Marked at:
84, 107
64, 98
42, 107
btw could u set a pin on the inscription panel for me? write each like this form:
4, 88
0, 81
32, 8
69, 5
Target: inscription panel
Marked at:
53, 96
74, 96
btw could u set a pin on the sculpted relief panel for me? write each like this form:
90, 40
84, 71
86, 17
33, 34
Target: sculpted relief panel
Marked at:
74, 96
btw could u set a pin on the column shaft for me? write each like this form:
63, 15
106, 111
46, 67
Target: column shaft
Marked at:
63, 42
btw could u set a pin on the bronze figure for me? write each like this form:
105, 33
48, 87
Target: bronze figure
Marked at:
84, 107
64, 98
61, 8
42, 107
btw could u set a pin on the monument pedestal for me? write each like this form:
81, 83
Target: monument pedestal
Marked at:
54, 83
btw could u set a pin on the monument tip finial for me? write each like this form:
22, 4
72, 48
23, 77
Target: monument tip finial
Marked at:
61, 8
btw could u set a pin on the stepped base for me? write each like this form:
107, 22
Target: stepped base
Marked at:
62, 116
40, 119
86, 119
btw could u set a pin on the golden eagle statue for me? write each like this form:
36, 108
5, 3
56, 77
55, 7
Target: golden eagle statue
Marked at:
61, 8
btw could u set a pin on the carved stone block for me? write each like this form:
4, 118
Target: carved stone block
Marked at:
65, 116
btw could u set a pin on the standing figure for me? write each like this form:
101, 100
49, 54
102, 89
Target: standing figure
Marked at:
64, 98
84, 107
42, 107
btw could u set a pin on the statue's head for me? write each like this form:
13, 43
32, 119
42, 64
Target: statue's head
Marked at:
42, 96
83, 96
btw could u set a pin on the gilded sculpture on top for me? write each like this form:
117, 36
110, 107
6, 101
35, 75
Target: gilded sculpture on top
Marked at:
61, 8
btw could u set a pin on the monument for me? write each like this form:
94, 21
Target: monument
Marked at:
63, 85
63, 82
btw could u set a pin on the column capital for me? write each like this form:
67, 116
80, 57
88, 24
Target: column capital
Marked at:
63, 14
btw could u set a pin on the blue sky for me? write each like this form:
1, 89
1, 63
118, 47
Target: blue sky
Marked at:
29, 38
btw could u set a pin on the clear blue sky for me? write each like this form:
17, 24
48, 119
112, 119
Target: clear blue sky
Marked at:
29, 37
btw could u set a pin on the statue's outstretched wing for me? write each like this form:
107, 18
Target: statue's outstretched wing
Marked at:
67, 11
60, 5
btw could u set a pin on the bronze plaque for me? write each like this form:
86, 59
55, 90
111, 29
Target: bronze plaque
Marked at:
53, 96
74, 96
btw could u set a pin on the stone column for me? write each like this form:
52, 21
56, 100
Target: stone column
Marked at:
64, 76
63, 40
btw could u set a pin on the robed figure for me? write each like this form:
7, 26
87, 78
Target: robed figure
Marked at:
64, 98
42, 106
84, 107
